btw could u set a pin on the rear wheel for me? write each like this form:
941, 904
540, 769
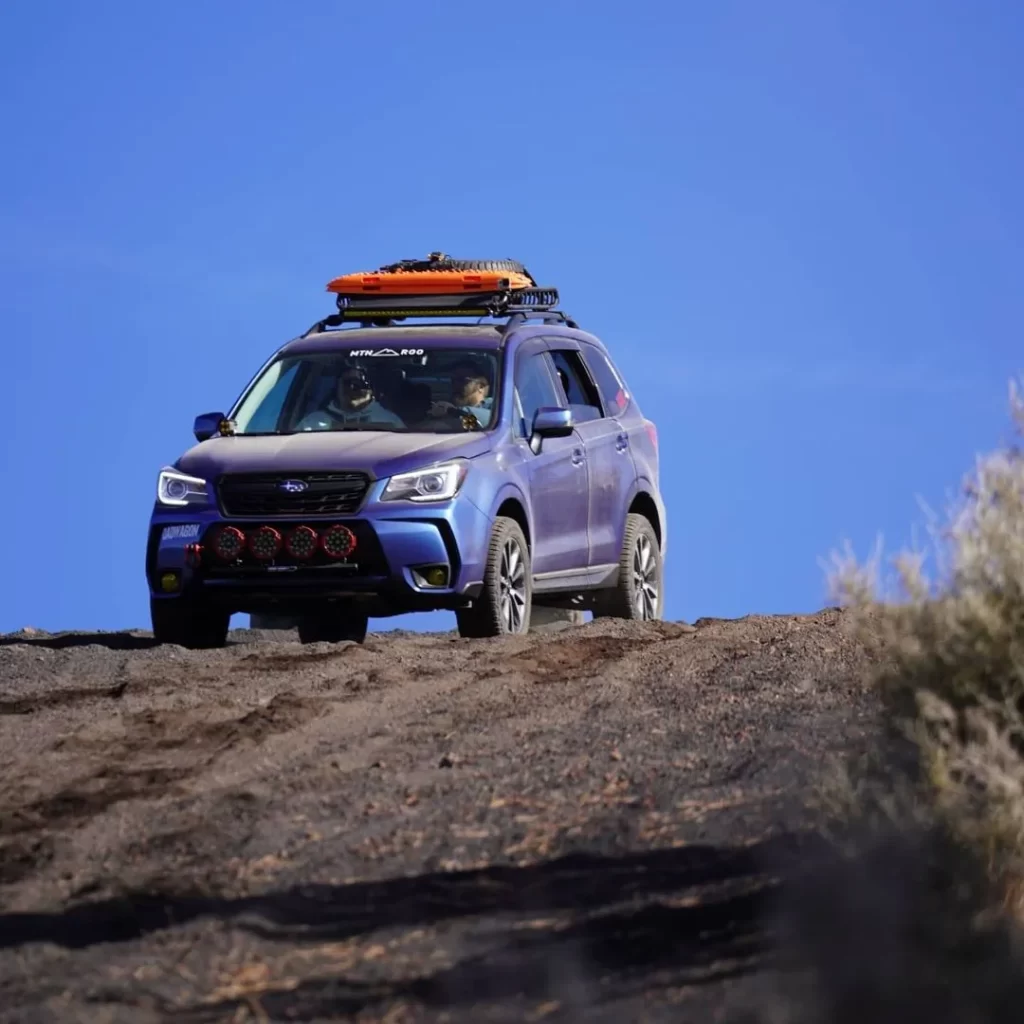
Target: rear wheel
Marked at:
503, 607
188, 623
333, 626
638, 591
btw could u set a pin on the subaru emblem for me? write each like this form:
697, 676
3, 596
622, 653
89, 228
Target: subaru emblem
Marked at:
292, 486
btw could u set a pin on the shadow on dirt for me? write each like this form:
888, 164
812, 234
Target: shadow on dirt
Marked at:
324, 913
696, 912
575, 966
62, 641
129, 640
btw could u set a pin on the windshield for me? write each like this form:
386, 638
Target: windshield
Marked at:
438, 391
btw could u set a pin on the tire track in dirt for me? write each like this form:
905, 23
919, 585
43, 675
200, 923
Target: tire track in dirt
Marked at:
115, 778
61, 698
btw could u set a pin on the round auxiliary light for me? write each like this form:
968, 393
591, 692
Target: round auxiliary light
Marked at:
301, 542
229, 543
264, 543
338, 541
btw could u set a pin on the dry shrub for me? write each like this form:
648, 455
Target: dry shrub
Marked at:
904, 917
951, 676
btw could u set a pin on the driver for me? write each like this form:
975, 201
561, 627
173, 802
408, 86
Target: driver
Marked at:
354, 404
471, 394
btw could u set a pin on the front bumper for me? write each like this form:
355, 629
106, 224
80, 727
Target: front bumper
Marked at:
396, 542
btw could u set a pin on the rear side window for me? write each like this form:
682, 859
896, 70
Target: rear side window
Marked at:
580, 392
613, 390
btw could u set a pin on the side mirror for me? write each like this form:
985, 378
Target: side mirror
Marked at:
207, 425
550, 421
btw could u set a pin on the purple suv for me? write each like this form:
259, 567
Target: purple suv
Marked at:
377, 470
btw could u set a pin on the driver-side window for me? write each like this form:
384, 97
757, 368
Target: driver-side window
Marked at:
535, 389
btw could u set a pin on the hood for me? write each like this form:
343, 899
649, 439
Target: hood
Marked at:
378, 453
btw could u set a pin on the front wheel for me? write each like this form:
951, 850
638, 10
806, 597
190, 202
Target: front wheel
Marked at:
334, 626
188, 623
638, 593
503, 607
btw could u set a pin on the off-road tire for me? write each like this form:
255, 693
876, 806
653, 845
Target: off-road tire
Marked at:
621, 601
492, 266
188, 622
333, 626
486, 616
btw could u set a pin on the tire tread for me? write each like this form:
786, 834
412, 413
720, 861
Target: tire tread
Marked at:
483, 617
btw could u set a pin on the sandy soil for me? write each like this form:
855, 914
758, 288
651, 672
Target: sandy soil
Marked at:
592, 824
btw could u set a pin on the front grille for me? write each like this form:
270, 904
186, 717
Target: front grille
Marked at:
261, 494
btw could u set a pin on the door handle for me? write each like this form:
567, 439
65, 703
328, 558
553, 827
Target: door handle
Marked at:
622, 442
577, 456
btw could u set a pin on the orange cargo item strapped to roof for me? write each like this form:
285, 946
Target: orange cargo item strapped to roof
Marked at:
427, 282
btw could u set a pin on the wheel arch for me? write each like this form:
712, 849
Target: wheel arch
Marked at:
511, 504
642, 503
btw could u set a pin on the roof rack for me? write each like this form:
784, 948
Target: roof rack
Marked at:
518, 305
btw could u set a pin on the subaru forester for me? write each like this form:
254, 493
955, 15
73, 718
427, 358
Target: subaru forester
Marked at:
374, 467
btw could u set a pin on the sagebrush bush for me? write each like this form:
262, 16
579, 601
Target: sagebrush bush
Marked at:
951, 675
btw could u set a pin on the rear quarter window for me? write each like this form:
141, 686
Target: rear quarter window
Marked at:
612, 388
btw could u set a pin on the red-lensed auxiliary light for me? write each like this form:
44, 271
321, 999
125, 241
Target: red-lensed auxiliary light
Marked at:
264, 543
301, 542
229, 543
338, 541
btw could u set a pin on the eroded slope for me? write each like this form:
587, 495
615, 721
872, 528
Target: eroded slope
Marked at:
414, 827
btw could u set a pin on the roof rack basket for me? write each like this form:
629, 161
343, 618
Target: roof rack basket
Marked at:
382, 310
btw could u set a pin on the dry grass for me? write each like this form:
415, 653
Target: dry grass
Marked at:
952, 675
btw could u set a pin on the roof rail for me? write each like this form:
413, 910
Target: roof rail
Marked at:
519, 305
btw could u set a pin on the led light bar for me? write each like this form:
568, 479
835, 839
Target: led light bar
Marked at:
494, 303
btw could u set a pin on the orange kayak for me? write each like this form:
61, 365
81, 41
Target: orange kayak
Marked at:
427, 282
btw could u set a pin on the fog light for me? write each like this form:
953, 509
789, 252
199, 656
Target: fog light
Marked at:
301, 542
169, 582
229, 543
265, 543
338, 541
431, 576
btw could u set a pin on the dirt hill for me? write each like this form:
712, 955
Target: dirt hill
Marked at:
585, 825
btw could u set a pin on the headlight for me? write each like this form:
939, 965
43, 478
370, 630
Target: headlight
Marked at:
174, 488
438, 483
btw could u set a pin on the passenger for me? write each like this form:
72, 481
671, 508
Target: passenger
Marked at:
354, 404
470, 390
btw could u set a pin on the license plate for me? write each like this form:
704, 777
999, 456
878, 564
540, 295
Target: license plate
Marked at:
180, 533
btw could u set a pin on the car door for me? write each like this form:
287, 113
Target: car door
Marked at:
611, 469
557, 471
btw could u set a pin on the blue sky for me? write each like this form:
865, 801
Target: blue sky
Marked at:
797, 225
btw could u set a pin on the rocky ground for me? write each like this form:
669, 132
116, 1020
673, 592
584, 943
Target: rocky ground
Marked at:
594, 824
